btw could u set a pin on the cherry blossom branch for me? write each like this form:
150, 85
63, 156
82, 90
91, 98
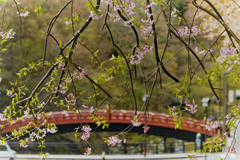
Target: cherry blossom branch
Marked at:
74, 43
50, 26
159, 63
195, 55
208, 52
90, 79
75, 92
73, 29
150, 93
20, 20
90, 52
168, 34
129, 70
133, 28
135, 32
233, 140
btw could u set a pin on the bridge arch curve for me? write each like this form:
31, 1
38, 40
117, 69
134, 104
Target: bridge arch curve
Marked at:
160, 124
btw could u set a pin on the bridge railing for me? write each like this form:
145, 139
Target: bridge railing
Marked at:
114, 116
123, 148
178, 146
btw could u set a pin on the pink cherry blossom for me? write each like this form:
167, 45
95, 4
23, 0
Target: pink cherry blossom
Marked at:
117, 8
212, 125
77, 75
192, 108
41, 105
84, 72
226, 134
173, 111
174, 13
52, 130
135, 59
129, 8
2, 117
25, 14
109, 78
145, 129
222, 142
85, 136
147, 48
68, 22
146, 28
153, 3
228, 116
128, 23
184, 31
110, 2
112, 141
91, 109
68, 80
86, 128
88, 151
115, 17
231, 150
95, 16
71, 100
60, 66
41, 133
62, 89
140, 52
23, 145
8, 34
84, 106
203, 51
86, 132
10, 93
227, 51
196, 31
32, 136
136, 123
26, 112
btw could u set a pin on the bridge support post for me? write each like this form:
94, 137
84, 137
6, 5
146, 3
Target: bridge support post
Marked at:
106, 148
125, 146
165, 144
183, 146
108, 112
156, 148
142, 149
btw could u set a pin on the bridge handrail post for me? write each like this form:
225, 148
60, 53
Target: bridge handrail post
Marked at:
183, 146
106, 148
125, 151
156, 148
108, 113
142, 149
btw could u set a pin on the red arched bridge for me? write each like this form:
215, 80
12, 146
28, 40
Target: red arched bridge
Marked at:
160, 124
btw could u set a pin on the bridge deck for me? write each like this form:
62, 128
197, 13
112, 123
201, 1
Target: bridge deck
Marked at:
114, 117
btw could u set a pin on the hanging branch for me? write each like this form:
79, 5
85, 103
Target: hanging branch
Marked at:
74, 43
159, 63
195, 55
129, 70
50, 26
68, 60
